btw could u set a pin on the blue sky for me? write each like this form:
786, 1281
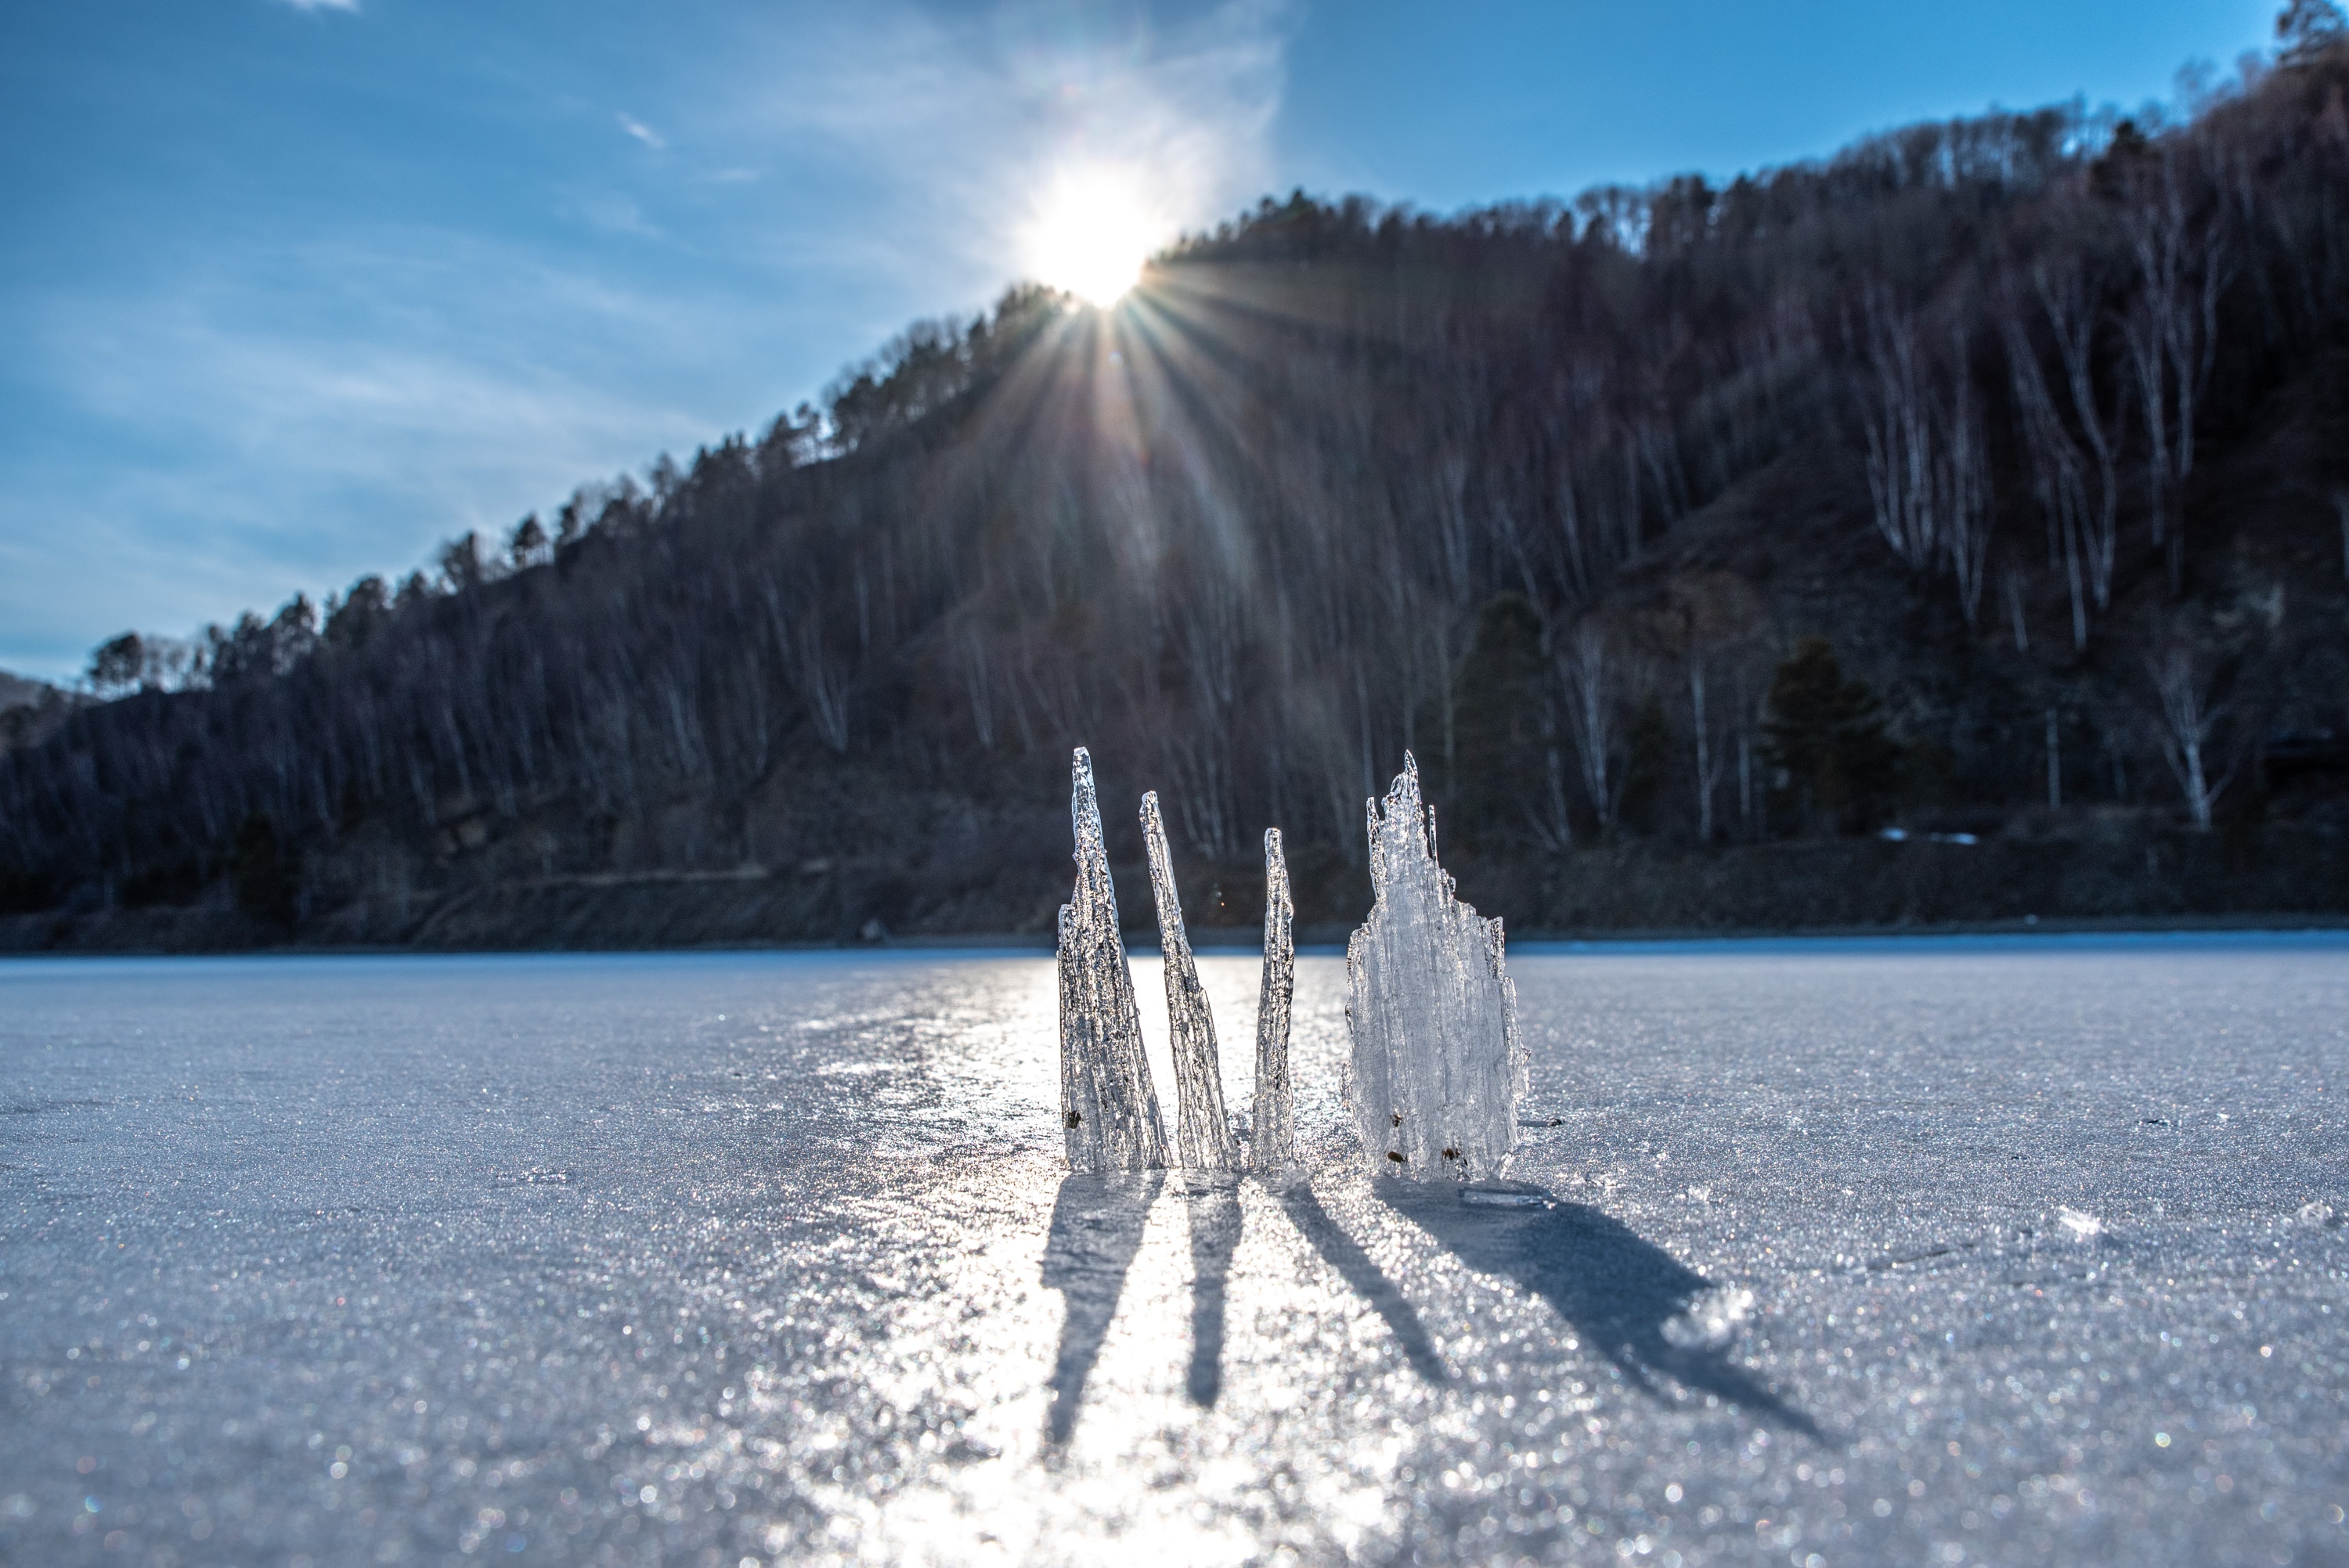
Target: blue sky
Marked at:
291, 291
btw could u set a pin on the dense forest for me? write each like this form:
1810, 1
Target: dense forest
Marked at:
1953, 528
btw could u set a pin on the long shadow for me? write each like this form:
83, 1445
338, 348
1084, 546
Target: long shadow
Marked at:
1615, 1289
1358, 1269
1097, 1224
1214, 1216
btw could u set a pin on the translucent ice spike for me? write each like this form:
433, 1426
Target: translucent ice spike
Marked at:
1436, 1066
1273, 1131
1202, 1134
1109, 1106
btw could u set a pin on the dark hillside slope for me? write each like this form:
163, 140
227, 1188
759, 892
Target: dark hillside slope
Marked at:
2041, 425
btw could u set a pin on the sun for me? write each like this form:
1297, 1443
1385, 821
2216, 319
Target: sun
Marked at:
1090, 235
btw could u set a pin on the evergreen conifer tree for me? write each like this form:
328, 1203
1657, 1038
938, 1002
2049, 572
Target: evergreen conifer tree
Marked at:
1827, 734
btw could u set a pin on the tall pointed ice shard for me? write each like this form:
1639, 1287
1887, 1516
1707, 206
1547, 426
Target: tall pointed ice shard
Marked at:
1437, 1066
1272, 1130
1109, 1106
1202, 1134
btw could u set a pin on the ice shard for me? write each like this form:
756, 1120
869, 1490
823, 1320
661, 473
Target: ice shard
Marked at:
1109, 1106
1436, 1068
1272, 1130
1202, 1134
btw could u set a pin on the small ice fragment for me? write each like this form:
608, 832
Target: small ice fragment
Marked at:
1203, 1135
1502, 1198
1436, 1068
2077, 1226
1272, 1124
2318, 1213
1710, 1320
1109, 1106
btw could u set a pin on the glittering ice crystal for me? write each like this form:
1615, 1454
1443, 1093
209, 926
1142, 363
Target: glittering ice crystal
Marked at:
1202, 1134
1273, 1129
1109, 1106
1436, 1068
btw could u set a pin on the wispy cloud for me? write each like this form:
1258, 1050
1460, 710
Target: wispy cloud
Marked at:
608, 212
958, 127
322, 4
263, 447
642, 132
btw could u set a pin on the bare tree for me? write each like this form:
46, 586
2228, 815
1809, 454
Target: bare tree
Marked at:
2067, 300
1745, 778
799, 642
1708, 761
1927, 465
2055, 762
115, 667
1961, 482
978, 683
1897, 424
2011, 585
1586, 670
1553, 820
2189, 726
2058, 481
2171, 332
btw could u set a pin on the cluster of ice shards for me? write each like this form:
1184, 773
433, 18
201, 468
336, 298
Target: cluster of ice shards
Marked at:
1437, 1069
1109, 1106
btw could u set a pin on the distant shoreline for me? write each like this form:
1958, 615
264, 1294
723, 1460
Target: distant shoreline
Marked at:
1322, 940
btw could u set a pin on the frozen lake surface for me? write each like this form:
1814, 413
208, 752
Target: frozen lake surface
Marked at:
1924, 1251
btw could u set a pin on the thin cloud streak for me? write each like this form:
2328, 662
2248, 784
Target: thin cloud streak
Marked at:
257, 453
959, 128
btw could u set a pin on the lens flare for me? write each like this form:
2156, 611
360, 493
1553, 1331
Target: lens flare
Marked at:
1091, 234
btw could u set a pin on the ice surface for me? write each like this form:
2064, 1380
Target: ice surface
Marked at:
1109, 1105
1710, 1320
1272, 1129
1436, 1069
2078, 1227
635, 1259
1203, 1133
1502, 1198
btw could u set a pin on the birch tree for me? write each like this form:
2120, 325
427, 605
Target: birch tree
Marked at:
2188, 725
1584, 669
2171, 332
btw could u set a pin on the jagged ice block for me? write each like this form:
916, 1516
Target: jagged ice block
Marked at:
1203, 1133
1437, 1068
1109, 1106
1272, 1130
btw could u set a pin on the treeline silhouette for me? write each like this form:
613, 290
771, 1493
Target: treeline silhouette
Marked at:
1988, 465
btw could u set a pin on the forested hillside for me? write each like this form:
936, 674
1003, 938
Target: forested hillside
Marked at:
1986, 482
